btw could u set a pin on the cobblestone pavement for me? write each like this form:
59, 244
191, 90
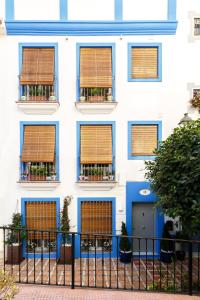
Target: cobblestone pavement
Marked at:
30, 292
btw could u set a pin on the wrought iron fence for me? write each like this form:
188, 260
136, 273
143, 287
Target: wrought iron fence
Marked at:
96, 261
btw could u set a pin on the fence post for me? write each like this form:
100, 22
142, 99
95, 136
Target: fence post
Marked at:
190, 268
73, 251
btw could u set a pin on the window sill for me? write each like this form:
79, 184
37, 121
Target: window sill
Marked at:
95, 108
40, 108
96, 185
39, 185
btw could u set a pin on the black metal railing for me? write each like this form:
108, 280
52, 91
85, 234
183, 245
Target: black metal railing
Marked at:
95, 95
95, 260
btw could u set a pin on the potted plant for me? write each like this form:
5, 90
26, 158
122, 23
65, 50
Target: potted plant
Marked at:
125, 252
109, 95
95, 95
14, 240
167, 246
52, 97
111, 176
66, 247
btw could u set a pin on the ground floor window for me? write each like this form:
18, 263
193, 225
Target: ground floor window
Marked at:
96, 218
40, 220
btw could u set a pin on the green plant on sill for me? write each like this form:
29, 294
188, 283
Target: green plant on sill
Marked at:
95, 91
37, 170
36, 90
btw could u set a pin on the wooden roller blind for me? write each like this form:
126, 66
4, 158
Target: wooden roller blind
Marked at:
41, 216
96, 217
39, 143
37, 66
95, 67
96, 144
144, 62
144, 139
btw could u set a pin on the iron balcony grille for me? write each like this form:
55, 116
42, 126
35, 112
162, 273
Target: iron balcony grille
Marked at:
38, 171
38, 93
96, 172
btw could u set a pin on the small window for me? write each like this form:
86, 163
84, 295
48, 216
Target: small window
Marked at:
196, 26
144, 63
143, 139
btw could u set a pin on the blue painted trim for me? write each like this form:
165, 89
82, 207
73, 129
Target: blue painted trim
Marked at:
94, 45
114, 245
78, 125
41, 45
171, 14
23, 212
146, 45
85, 28
118, 9
9, 10
133, 196
56, 123
132, 123
63, 9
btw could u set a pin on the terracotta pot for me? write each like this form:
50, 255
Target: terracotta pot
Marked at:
38, 177
95, 99
14, 254
94, 177
66, 254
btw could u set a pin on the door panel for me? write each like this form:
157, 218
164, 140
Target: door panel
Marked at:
144, 226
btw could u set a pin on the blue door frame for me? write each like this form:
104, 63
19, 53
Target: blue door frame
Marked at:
23, 211
140, 192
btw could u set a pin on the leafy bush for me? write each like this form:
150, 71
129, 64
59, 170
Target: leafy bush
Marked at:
8, 288
124, 244
15, 236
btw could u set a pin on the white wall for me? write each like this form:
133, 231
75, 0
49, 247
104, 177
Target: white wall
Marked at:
91, 9
166, 101
145, 9
37, 10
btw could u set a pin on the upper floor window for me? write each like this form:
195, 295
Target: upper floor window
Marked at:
96, 153
196, 26
37, 78
96, 78
38, 157
143, 139
144, 62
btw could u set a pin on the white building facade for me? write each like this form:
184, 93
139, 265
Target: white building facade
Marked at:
88, 89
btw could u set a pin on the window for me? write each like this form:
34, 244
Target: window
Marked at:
38, 72
38, 158
96, 161
96, 83
96, 221
144, 62
196, 26
143, 139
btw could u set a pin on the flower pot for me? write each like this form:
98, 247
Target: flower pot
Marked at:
66, 254
14, 254
37, 177
95, 98
111, 177
109, 98
125, 256
81, 177
180, 255
23, 98
82, 98
166, 256
52, 98
53, 177
48, 178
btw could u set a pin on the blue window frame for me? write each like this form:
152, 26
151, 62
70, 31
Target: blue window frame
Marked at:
79, 124
96, 45
114, 244
145, 123
40, 45
131, 61
23, 211
32, 123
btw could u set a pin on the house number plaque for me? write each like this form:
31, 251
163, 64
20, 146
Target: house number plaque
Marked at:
145, 192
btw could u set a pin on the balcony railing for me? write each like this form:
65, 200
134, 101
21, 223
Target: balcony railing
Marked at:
96, 172
96, 95
38, 172
38, 93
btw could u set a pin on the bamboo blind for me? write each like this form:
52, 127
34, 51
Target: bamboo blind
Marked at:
96, 217
37, 66
95, 67
144, 139
144, 62
39, 143
41, 216
96, 144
